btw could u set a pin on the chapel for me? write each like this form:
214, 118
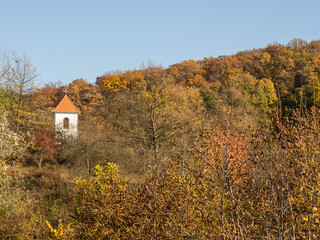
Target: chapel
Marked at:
66, 118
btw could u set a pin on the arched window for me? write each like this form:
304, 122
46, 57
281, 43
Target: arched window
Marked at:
66, 123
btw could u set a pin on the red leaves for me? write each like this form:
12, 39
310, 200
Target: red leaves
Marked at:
45, 142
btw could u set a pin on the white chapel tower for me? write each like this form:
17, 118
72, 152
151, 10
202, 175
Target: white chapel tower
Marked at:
66, 118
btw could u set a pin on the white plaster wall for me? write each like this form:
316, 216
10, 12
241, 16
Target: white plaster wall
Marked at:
73, 123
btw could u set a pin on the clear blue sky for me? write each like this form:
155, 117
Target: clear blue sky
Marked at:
73, 39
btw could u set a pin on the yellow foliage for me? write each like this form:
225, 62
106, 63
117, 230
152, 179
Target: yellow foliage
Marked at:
115, 82
61, 232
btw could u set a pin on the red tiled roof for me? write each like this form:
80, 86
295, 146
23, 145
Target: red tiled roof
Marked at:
66, 105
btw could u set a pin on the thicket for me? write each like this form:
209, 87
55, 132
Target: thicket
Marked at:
219, 148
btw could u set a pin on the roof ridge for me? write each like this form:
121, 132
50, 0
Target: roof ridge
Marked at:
72, 103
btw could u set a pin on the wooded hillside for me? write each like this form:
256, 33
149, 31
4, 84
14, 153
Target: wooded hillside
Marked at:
218, 148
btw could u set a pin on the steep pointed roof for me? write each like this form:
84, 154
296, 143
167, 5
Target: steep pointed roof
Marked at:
66, 105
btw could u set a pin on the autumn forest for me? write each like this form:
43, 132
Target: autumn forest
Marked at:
218, 148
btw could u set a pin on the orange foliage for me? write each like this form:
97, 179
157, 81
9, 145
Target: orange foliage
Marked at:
114, 82
136, 78
188, 72
227, 151
221, 68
